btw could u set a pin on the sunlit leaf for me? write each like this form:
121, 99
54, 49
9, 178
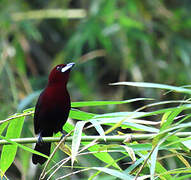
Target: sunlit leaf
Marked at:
9, 151
76, 139
154, 85
80, 115
5, 164
101, 103
153, 161
102, 156
116, 173
98, 127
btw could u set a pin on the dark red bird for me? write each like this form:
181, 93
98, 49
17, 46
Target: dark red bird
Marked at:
52, 109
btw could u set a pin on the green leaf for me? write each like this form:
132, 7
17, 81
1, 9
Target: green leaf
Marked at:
183, 125
130, 152
102, 156
141, 114
29, 110
101, 103
3, 126
154, 85
113, 172
134, 165
153, 161
187, 143
80, 115
126, 124
121, 114
170, 119
183, 177
68, 127
9, 151
158, 137
98, 127
22, 146
76, 139
130, 23
165, 102
160, 169
141, 127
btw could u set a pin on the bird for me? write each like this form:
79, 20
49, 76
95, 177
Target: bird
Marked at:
52, 109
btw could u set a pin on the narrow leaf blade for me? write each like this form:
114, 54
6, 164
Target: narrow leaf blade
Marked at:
113, 172
102, 103
99, 128
9, 151
76, 139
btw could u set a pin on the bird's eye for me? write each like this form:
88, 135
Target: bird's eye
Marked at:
58, 68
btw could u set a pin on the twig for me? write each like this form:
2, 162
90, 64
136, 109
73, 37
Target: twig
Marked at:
52, 154
17, 116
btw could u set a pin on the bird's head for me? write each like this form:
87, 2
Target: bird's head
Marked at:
60, 73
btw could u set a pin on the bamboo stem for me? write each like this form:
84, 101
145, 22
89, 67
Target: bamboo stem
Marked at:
129, 137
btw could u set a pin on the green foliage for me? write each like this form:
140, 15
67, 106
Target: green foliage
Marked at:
9, 151
143, 156
110, 41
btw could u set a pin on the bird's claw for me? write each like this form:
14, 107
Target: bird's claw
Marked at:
40, 140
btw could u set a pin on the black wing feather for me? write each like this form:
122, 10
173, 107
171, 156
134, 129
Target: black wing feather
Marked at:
37, 112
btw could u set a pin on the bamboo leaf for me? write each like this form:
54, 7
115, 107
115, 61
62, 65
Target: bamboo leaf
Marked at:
187, 143
183, 125
165, 117
80, 115
9, 151
165, 102
113, 172
76, 139
170, 119
184, 161
153, 161
22, 146
3, 126
99, 128
154, 85
141, 127
65, 148
125, 123
141, 114
5, 163
130, 152
160, 169
102, 156
134, 165
102, 103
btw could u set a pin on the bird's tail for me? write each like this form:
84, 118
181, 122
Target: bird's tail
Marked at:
44, 148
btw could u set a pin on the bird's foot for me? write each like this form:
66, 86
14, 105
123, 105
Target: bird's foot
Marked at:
40, 140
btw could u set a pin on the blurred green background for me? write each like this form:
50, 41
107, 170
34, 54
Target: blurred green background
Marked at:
109, 41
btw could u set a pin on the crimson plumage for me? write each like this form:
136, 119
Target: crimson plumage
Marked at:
52, 109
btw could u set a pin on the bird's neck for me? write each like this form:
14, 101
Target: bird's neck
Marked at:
57, 84
57, 87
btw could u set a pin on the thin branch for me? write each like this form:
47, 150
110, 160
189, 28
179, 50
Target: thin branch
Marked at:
17, 116
133, 137
42, 176
63, 162
72, 173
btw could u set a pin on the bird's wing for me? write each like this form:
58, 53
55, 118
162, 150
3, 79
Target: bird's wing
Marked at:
37, 114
